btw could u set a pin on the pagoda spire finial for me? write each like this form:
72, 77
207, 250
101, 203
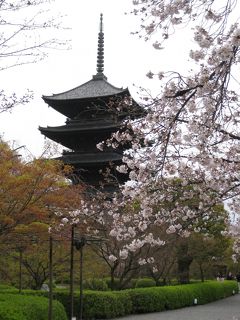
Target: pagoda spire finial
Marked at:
100, 52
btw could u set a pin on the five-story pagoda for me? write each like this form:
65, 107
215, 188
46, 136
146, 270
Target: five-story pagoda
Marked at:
94, 110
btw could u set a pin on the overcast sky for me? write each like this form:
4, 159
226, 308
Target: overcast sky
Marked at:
127, 60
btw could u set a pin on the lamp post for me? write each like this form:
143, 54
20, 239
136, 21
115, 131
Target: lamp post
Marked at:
80, 242
71, 273
50, 298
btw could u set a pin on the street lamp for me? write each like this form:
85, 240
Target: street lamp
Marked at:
50, 297
71, 273
79, 244
80, 241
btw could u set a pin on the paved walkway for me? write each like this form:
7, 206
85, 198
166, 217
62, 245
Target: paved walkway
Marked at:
224, 309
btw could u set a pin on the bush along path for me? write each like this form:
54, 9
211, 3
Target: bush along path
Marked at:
114, 304
23, 307
223, 309
109, 305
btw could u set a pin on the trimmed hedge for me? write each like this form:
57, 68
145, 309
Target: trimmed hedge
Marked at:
105, 305
173, 297
112, 304
96, 304
23, 307
7, 288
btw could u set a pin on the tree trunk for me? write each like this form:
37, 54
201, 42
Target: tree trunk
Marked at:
184, 261
112, 280
201, 272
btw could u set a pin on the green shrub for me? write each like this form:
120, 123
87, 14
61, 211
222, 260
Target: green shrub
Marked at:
112, 304
173, 297
131, 284
97, 304
105, 305
23, 307
4, 287
145, 282
9, 313
116, 284
147, 300
95, 284
213, 290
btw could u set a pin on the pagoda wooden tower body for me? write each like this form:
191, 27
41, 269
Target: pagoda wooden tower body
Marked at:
92, 116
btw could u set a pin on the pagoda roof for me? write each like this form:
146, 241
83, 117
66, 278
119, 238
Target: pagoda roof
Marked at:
95, 93
97, 87
71, 135
90, 159
83, 128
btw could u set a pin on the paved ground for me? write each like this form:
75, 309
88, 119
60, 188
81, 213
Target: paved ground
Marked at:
225, 309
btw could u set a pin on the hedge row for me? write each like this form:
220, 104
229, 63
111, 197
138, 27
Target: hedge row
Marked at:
6, 287
112, 304
174, 297
24, 307
96, 304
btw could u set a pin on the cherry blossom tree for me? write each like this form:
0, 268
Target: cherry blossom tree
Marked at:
119, 250
191, 131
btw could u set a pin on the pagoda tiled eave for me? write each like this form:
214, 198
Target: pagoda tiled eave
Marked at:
86, 128
90, 159
90, 89
77, 136
93, 92
88, 166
